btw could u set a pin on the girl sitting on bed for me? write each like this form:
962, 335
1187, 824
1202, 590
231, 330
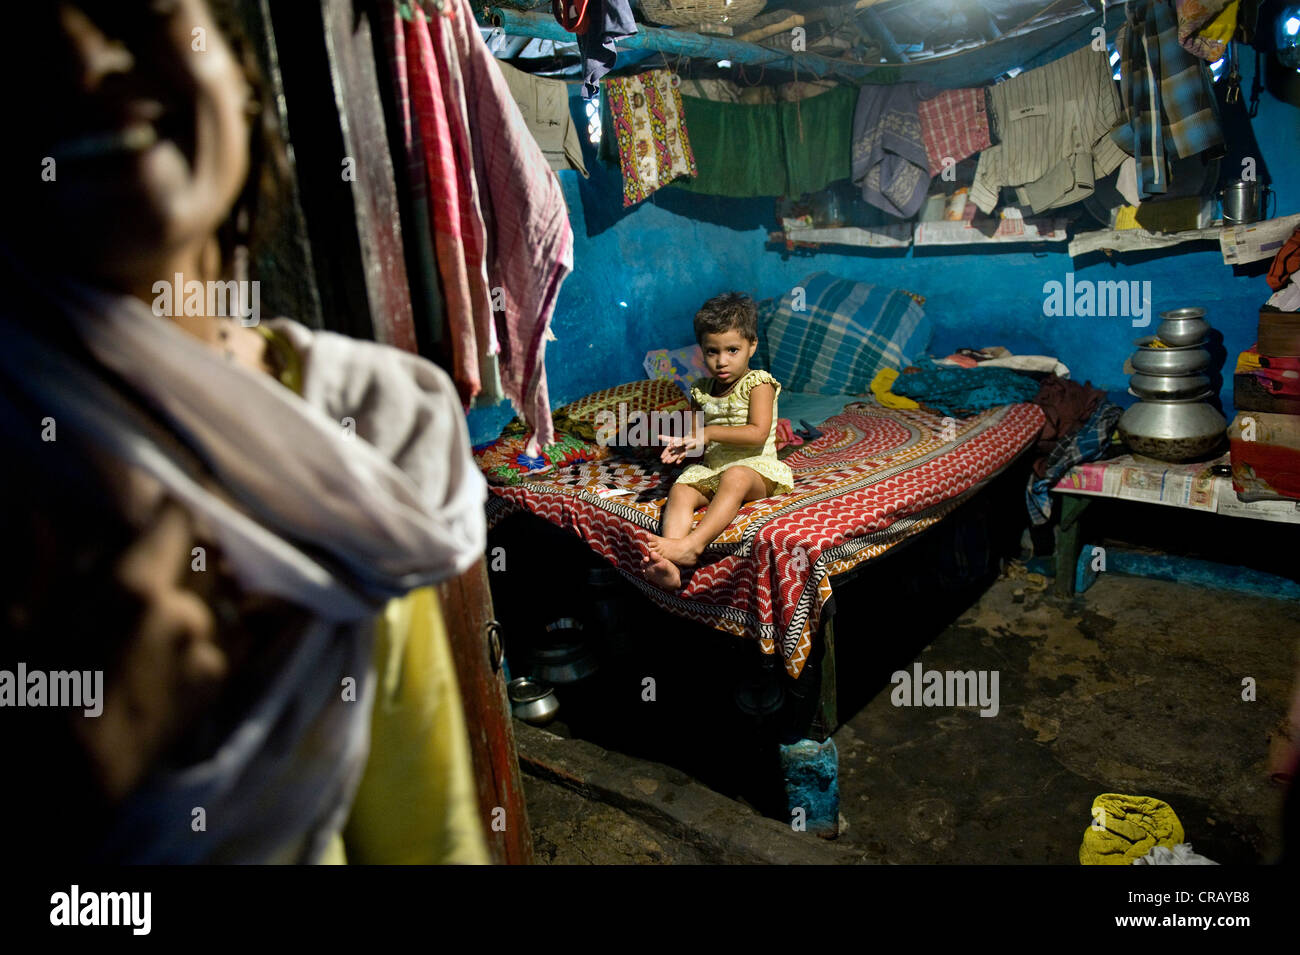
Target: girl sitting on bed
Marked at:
738, 438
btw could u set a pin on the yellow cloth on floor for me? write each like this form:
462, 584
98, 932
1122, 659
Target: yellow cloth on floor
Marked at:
417, 803
881, 385
1125, 828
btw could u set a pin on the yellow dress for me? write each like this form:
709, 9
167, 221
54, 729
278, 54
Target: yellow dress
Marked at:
732, 411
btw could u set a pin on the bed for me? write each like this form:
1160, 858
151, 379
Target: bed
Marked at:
876, 477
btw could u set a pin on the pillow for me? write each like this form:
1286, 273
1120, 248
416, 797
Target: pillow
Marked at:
643, 397
685, 366
504, 461
830, 336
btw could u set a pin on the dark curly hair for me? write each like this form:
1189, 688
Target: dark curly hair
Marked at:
722, 313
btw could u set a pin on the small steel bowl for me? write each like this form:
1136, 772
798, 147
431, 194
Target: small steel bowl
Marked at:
1183, 326
532, 700
1168, 386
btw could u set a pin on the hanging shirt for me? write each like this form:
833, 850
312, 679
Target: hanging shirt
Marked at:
1172, 110
889, 155
1054, 124
544, 105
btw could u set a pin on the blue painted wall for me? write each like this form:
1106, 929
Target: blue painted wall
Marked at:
640, 275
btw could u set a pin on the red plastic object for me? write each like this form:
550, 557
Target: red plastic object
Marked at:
573, 15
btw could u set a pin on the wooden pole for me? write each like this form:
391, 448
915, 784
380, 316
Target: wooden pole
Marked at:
467, 610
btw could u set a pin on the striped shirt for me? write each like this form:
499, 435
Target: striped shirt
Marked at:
1054, 125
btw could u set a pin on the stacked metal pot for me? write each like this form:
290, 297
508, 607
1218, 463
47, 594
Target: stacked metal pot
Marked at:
1172, 421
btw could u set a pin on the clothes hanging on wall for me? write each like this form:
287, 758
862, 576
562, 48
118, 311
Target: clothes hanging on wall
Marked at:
654, 146
448, 195
423, 268
474, 229
530, 241
500, 225
954, 125
779, 149
889, 154
1053, 126
544, 105
610, 21
1172, 111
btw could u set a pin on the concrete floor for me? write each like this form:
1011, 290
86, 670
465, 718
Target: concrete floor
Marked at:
1134, 687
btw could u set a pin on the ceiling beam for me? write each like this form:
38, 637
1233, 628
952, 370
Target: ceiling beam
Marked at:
682, 43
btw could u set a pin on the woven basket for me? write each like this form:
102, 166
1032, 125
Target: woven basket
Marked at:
691, 12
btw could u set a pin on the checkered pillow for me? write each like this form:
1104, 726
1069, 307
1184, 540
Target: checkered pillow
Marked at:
831, 336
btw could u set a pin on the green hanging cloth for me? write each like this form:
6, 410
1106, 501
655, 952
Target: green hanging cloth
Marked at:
743, 150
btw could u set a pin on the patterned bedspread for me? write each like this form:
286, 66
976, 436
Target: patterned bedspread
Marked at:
874, 478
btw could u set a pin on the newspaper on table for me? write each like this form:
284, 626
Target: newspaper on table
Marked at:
1258, 240
1178, 485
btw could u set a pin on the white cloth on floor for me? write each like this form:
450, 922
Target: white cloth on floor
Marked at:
1180, 854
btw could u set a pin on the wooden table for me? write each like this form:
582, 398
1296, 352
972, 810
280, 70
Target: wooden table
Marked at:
1129, 477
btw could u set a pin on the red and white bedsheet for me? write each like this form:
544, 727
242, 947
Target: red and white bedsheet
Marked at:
875, 477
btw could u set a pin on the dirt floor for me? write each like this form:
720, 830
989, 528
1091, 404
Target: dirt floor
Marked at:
1134, 687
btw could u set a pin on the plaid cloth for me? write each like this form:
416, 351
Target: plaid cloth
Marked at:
1087, 444
446, 192
954, 124
1172, 111
529, 234
831, 336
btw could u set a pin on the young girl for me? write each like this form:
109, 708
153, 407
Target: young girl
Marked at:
738, 439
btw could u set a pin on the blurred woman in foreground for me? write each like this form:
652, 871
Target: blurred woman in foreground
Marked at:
210, 511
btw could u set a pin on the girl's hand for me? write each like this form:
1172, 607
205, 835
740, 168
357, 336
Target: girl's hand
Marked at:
679, 449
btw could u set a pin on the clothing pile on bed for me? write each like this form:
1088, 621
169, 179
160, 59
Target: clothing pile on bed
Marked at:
1080, 423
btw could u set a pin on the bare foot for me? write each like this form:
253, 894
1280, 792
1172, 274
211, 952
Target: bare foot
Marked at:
678, 551
661, 572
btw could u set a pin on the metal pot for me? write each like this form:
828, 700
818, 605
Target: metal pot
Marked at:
1169, 386
1170, 361
568, 660
1172, 430
1183, 326
532, 700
